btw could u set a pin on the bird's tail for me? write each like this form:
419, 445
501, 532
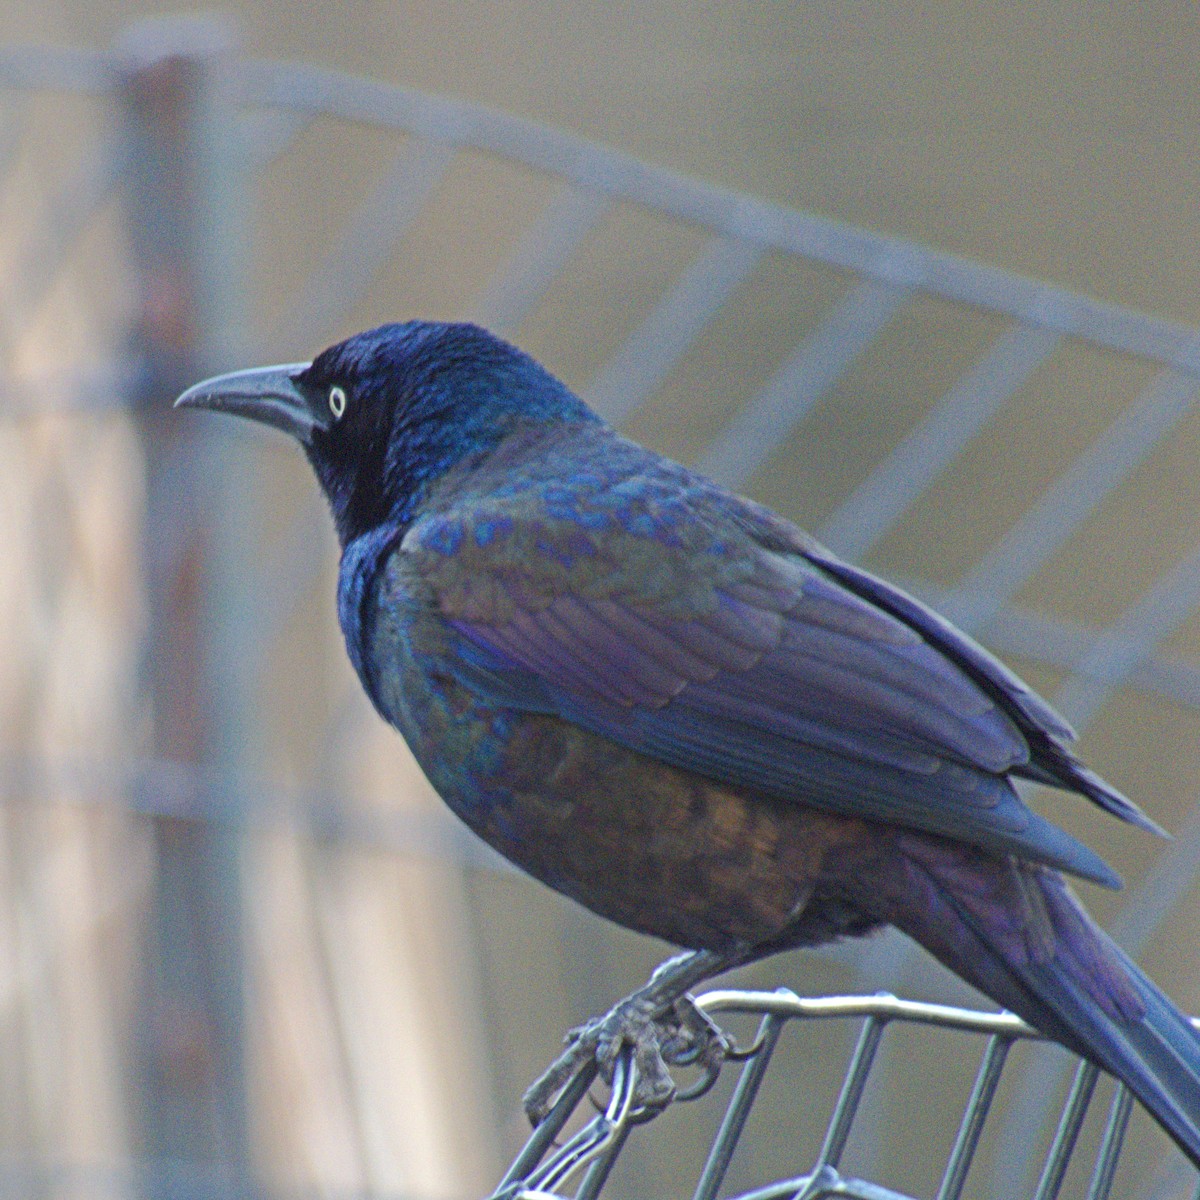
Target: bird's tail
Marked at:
1016, 932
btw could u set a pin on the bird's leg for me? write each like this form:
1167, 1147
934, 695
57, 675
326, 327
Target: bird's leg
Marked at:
657, 1020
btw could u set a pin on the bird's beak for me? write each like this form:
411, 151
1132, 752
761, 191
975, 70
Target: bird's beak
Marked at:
272, 395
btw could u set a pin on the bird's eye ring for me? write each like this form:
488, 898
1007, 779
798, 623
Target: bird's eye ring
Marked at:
337, 401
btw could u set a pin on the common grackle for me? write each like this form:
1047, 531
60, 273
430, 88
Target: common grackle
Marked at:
670, 704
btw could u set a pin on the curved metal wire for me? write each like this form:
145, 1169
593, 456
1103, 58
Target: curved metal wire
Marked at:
539, 1174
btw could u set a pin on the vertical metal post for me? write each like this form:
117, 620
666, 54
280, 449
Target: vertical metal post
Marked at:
182, 199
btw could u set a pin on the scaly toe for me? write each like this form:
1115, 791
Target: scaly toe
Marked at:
655, 1088
580, 1052
601, 1041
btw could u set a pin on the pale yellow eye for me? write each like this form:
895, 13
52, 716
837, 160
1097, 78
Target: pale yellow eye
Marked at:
337, 401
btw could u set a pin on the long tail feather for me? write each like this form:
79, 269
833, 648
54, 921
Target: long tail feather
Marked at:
1157, 1054
1016, 932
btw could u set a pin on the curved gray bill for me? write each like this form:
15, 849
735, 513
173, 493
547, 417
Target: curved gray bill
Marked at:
270, 395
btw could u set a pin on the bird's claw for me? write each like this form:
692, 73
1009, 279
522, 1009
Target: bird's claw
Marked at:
679, 1036
693, 1037
599, 1042
697, 1042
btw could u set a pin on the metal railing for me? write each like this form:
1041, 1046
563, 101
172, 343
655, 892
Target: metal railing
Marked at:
551, 1167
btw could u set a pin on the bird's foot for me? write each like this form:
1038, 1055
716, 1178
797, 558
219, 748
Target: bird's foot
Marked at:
693, 1039
679, 1035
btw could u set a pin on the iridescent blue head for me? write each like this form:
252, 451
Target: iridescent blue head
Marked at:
385, 413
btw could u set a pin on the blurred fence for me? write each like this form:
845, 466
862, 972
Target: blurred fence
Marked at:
237, 945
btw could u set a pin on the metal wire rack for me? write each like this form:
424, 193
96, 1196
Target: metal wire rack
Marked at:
583, 1161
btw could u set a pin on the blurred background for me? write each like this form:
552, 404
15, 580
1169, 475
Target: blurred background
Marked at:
925, 278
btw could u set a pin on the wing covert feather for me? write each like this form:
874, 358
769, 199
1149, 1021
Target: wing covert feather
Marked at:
763, 668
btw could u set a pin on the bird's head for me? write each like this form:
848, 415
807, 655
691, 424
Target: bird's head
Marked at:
386, 413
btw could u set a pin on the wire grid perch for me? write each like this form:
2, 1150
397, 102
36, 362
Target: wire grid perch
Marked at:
584, 1161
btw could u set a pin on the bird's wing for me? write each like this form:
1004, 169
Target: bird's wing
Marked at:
1046, 732
735, 649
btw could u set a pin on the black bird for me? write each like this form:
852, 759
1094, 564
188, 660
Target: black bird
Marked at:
670, 704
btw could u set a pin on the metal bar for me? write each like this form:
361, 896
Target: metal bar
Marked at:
724, 210
310, 89
1077, 492
978, 1107
816, 366
823, 1182
267, 135
1065, 1136
925, 452
380, 222
882, 1006
182, 791
598, 1173
68, 214
820, 1185
182, 207
734, 1121
1131, 640
851, 1095
101, 389
597, 1137
57, 68
544, 1135
639, 367
1111, 1143
784, 1189
539, 257
1160, 890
